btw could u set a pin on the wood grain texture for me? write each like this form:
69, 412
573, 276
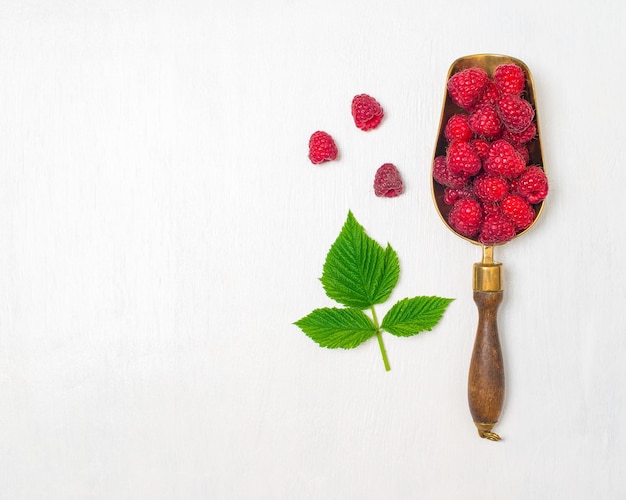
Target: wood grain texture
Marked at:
486, 373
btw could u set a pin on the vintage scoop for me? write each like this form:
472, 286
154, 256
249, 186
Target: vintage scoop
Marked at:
486, 373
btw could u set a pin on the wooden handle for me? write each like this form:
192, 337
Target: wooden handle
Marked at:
486, 375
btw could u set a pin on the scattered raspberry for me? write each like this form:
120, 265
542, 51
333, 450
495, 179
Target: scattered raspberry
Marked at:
481, 146
519, 211
510, 79
366, 111
485, 121
466, 87
462, 159
533, 184
387, 181
466, 217
496, 228
516, 113
490, 188
526, 135
489, 96
442, 174
321, 147
451, 195
458, 129
504, 160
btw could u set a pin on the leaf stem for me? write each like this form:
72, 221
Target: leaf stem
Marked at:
379, 337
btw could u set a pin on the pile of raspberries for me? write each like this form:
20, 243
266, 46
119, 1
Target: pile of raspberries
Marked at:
492, 190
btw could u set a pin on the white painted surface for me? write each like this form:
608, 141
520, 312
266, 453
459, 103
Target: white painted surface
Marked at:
161, 228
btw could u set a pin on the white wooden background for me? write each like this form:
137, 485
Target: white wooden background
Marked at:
161, 229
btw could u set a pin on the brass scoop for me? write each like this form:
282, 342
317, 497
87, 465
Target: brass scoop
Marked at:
486, 373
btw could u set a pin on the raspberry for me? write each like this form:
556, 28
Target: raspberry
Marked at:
465, 217
496, 228
519, 211
462, 159
526, 135
481, 146
489, 96
457, 129
366, 111
516, 113
451, 195
533, 184
491, 208
510, 79
321, 147
523, 152
466, 87
485, 121
490, 188
442, 174
504, 160
387, 181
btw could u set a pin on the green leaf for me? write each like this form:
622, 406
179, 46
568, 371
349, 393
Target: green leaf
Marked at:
358, 272
411, 316
333, 327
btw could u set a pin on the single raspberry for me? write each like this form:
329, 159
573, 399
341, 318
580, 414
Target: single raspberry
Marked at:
442, 175
491, 208
485, 121
457, 129
518, 210
466, 87
516, 113
462, 159
366, 111
496, 228
481, 146
387, 181
321, 147
510, 79
490, 188
504, 160
526, 135
451, 195
533, 184
466, 217
523, 151
489, 96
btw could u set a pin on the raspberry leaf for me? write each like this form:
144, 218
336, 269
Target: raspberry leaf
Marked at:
358, 272
337, 328
409, 317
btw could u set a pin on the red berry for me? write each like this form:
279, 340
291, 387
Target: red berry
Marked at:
504, 160
481, 146
496, 228
457, 129
522, 150
366, 111
462, 159
387, 181
451, 195
490, 188
465, 217
321, 147
533, 184
485, 121
442, 174
526, 135
489, 96
519, 211
491, 208
516, 113
509, 78
466, 87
